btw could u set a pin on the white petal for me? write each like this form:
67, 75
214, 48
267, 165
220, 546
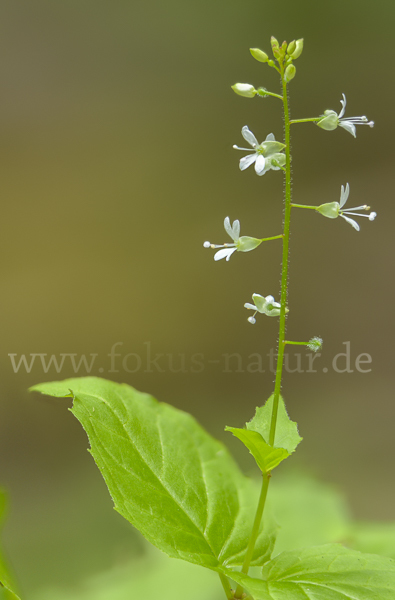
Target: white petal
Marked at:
235, 230
269, 299
343, 103
225, 253
260, 164
228, 227
264, 171
246, 161
249, 136
250, 306
344, 195
351, 221
270, 138
348, 126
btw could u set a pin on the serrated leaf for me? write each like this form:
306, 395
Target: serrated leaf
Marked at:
257, 433
7, 584
166, 475
329, 572
267, 457
373, 537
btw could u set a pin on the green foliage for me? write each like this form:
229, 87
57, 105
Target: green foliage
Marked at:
329, 572
308, 511
166, 475
373, 537
256, 435
7, 584
153, 577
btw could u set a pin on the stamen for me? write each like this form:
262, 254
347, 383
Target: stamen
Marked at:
207, 245
372, 216
252, 319
246, 149
363, 207
347, 212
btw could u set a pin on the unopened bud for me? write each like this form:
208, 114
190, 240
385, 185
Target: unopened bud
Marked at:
291, 47
244, 89
271, 63
298, 49
274, 43
290, 73
259, 55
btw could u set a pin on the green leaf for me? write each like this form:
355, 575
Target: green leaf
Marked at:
257, 433
329, 572
310, 512
266, 456
373, 537
166, 475
7, 584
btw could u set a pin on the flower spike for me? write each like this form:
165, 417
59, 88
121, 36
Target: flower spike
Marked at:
332, 210
266, 156
242, 244
331, 120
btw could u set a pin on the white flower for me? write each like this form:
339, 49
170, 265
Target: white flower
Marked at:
331, 120
242, 244
332, 210
266, 306
266, 156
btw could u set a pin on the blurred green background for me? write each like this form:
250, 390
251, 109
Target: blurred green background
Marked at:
117, 124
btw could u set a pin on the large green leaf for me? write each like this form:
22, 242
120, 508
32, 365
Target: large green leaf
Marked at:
7, 584
166, 475
329, 572
257, 433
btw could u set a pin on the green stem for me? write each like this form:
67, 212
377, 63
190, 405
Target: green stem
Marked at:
312, 120
255, 530
275, 237
303, 206
296, 343
226, 586
266, 93
284, 274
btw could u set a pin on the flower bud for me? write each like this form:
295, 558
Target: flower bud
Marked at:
246, 243
290, 73
259, 55
274, 43
298, 49
291, 47
330, 210
329, 121
244, 89
270, 63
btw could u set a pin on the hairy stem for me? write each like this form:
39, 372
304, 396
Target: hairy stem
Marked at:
284, 273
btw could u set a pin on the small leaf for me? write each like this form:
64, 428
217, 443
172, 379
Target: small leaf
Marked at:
257, 433
329, 572
266, 456
166, 475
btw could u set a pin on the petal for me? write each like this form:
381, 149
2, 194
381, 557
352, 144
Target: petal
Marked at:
348, 126
228, 227
235, 230
249, 136
224, 253
351, 221
343, 103
260, 164
246, 161
250, 306
270, 138
269, 299
344, 195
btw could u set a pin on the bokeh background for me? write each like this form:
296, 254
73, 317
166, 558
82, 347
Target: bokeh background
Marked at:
117, 123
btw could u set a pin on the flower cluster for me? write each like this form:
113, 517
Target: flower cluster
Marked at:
266, 155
